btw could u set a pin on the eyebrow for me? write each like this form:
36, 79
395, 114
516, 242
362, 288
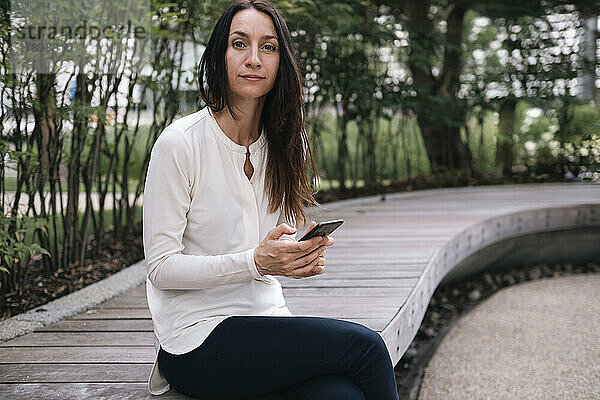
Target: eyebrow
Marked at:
244, 34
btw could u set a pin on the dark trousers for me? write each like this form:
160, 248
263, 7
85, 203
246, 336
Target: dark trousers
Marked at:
247, 357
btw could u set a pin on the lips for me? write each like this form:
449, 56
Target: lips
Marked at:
252, 77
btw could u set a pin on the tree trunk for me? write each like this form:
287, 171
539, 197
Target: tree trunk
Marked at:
80, 132
342, 143
504, 147
588, 78
46, 131
405, 121
371, 175
394, 137
318, 140
357, 157
481, 141
440, 114
89, 175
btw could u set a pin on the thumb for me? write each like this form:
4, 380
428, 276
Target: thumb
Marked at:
279, 230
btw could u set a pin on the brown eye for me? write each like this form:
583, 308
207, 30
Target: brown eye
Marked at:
234, 44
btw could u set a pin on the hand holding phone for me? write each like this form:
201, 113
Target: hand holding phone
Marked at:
308, 258
322, 229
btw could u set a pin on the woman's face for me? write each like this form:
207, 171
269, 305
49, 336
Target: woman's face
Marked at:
252, 50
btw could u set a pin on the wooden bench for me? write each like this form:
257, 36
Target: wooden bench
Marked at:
388, 259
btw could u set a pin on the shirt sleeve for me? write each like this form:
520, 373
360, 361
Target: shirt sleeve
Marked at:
165, 205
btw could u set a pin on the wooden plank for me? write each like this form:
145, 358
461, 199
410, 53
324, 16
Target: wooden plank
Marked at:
58, 373
369, 292
304, 296
126, 302
375, 256
114, 313
343, 244
318, 282
347, 302
73, 355
136, 302
288, 292
332, 272
120, 391
338, 301
349, 312
362, 309
370, 278
388, 265
82, 339
376, 324
138, 291
314, 310
122, 325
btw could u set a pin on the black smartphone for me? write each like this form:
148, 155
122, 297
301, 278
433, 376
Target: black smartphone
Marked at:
322, 229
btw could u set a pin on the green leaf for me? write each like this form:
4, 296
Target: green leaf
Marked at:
8, 260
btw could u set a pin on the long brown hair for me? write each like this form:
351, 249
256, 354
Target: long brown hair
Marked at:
282, 116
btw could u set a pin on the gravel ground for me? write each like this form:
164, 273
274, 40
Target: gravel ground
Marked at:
534, 340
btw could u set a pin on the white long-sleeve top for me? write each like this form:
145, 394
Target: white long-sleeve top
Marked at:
202, 220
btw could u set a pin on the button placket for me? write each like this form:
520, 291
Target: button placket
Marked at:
246, 200
255, 165
253, 234
251, 218
254, 231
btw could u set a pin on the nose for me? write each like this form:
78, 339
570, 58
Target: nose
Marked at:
253, 60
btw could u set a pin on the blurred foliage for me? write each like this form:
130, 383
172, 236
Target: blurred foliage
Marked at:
393, 89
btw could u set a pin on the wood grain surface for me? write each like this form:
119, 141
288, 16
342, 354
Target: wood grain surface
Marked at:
388, 258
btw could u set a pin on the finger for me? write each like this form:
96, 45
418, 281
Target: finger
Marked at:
318, 270
319, 264
310, 227
302, 257
307, 246
279, 230
307, 258
305, 271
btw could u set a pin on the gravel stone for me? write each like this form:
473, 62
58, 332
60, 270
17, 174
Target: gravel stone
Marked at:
474, 295
535, 340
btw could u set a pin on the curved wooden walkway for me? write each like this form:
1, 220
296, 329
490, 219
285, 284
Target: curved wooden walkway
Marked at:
388, 259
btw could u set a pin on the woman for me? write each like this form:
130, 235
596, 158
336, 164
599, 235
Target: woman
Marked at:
219, 181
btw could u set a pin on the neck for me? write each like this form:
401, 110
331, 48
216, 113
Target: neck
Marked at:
244, 130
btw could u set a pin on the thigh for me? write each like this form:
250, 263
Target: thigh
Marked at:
270, 353
254, 355
323, 345
298, 341
324, 387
